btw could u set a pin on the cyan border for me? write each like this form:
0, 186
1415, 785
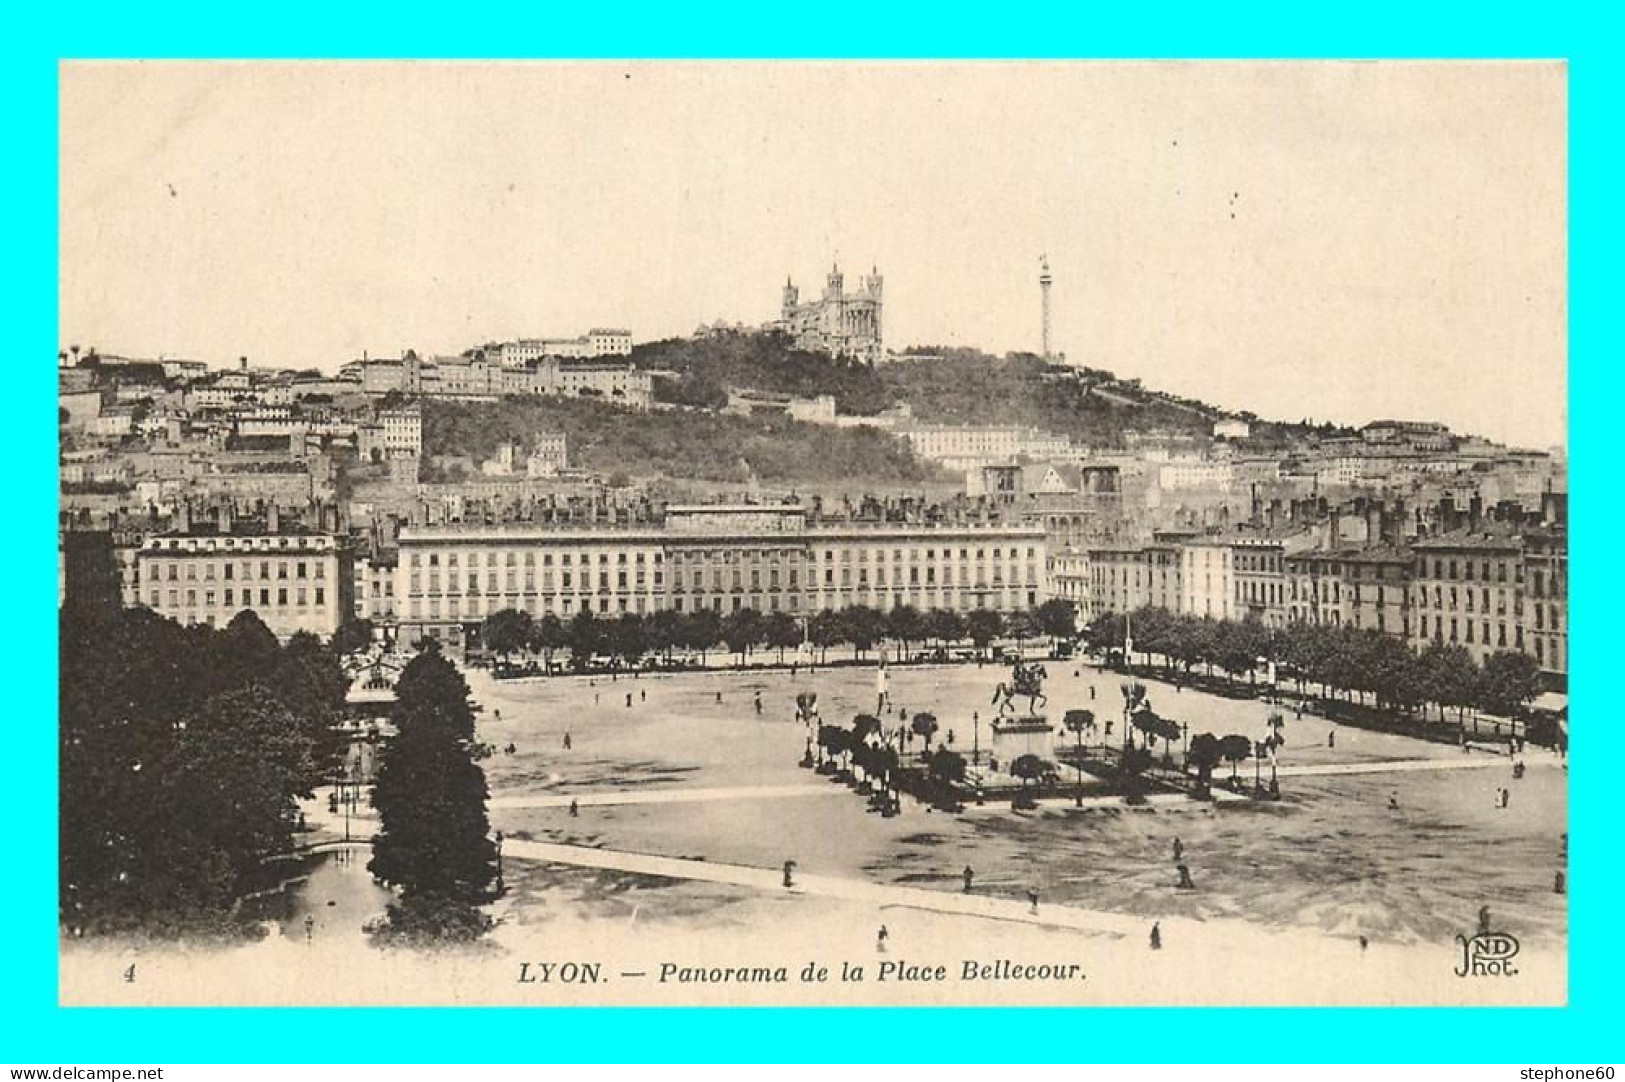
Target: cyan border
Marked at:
32, 1028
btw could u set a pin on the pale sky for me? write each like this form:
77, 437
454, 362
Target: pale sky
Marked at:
1342, 241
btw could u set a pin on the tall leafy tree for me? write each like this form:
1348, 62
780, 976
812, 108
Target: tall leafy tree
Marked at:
702, 630
781, 632
1057, 618
665, 631
983, 626
352, 635
179, 765
507, 631
433, 842
826, 629
1509, 681
547, 635
741, 630
864, 627
309, 681
905, 625
586, 638
1205, 753
944, 625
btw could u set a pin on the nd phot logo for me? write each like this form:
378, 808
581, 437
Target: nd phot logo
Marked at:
1487, 954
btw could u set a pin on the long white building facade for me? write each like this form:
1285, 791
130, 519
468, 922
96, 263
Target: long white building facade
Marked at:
718, 557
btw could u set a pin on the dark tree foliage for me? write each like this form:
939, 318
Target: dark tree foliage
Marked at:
182, 752
1057, 617
434, 842
351, 636
983, 626
690, 444
1343, 661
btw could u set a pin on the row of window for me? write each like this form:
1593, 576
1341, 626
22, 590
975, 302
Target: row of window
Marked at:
527, 558
453, 608
1447, 568
470, 582
1463, 632
230, 597
298, 569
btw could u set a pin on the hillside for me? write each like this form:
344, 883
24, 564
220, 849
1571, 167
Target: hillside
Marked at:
690, 444
943, 386
707, 368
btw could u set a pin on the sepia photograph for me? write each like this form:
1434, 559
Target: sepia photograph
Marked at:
801, 533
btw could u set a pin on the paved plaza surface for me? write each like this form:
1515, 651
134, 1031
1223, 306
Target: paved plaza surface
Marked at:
679, 775
686, 809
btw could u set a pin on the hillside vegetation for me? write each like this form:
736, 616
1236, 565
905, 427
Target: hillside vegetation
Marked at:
690, 444
707, 368
941, 385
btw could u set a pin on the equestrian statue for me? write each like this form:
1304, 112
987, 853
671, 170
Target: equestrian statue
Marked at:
1025, 680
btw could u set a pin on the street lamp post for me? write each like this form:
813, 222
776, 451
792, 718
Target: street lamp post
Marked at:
976, 737
1078, 732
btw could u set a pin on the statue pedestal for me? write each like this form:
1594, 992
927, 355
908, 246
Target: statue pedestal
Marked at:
1028, 734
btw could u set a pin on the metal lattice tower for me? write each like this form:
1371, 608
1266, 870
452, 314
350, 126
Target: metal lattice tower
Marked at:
1044, 281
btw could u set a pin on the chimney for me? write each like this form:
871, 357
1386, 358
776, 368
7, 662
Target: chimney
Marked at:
242, 364
273, 524
225, 516
1475, 512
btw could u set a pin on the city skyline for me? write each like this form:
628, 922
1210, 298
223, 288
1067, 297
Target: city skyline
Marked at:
1329, 247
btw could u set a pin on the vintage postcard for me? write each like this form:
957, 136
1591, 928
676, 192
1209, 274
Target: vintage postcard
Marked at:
789, 533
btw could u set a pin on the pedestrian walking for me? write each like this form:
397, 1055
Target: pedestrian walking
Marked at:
1179, 849
1560, 883
1364, 943
1185, 880
1032, 899
566, 741
575, 809
1331, 738
1156, 936
970, 876
789, 867
595, 698
1483, 920
629, 700
643, 695
758, 703
880, 940
1393, 801
719, 698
